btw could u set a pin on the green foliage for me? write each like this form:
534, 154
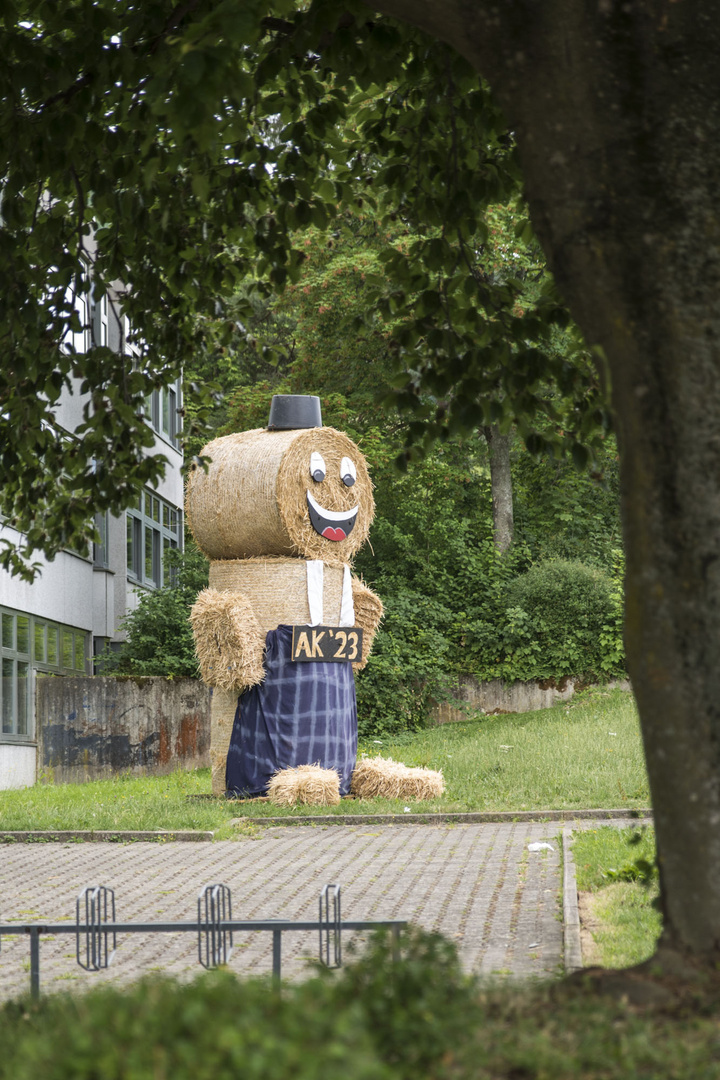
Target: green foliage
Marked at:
214, 1029
159, 636
565, 513
561, 620
181, 151
408, 668
417, 1006
381, 1019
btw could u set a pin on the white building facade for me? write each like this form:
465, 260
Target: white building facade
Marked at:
75, 607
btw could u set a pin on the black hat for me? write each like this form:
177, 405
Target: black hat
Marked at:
289, 411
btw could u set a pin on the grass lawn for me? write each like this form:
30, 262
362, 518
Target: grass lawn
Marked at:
583, 754
617, 912
157, 802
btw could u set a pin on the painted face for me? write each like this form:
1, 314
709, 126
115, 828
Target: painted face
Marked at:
335, 525
305, 493
336, 493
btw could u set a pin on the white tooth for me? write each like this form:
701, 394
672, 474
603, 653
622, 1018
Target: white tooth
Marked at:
332, 515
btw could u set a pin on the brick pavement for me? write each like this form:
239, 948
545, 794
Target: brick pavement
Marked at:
477, 884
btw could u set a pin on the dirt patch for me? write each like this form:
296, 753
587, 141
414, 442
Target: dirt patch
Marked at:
589, 923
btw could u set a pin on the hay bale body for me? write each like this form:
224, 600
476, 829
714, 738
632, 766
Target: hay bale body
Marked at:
380, 777
276, 589
309, 785
222, 716
253, 499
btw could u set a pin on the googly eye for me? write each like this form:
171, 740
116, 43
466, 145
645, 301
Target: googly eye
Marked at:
348, 472
317, 467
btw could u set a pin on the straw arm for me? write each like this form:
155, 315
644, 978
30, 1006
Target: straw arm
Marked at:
368, 613
228, 640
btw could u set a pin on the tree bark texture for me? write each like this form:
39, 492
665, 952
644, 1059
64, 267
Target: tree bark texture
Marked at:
501, 484
616, 108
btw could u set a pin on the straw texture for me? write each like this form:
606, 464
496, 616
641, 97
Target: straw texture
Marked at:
228, 640
381, 777
294, 481
276, 589
222, 718
307, 784
232, 509
368, 613
253, 499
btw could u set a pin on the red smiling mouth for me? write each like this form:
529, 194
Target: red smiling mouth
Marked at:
333, 534
331, 524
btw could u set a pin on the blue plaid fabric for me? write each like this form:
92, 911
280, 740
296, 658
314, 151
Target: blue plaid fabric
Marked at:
301, 714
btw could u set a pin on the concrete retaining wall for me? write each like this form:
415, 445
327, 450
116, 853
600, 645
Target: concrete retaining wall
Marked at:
469, 696
93, 728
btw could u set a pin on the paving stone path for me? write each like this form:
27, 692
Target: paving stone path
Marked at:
477, 884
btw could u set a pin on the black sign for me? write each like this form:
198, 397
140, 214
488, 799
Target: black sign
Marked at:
338, 643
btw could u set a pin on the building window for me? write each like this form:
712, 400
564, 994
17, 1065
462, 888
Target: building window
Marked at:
78, 340
100, 547
30, 644
100, 321
161, 413
154, 527
161, 406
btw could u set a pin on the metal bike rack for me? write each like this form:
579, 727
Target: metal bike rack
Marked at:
215, 944
91, 919
330, 927
96, 930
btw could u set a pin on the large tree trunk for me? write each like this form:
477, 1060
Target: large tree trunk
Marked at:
616, 109
501, 484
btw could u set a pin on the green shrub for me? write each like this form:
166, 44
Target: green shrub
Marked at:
418, 1008
159, 635
377, 1020
408, 667
216, 1028
562, 618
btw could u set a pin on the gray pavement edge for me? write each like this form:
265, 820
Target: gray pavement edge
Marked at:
471, 818
571, 916
100, 835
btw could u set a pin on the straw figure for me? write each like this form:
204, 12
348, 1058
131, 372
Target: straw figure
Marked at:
280, 513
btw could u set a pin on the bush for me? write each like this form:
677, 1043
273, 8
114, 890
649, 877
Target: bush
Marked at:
377, 1020
562, 618
159, 635
408, 667
419, 1008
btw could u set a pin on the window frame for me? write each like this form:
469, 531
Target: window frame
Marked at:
10, 654
156, 523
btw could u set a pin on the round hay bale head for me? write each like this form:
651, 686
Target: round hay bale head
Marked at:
277, 589
303, 492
